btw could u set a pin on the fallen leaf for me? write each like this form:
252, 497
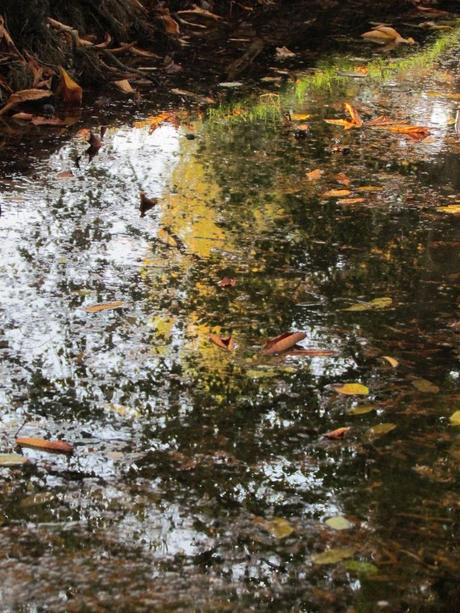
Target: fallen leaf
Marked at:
312, 352
338, 433
336, 193
332, 556
12, 459
369, 188
351, 200
124, 86
383, 35
65, 174
45, 445
451, 209
227, 282
356, 121
299, 116
425, 386
342, 179
376, 304
37, 120
283, 342
380, 429
188, 94
146, 203
339, 523
283, 53
200, 12
414, 132
25, 95
381, 120
353, 389
278, 527
391, 361
361, 568
105, 306
224, 343
23, 116
454, 419
170, 25
362, 70
315, 175
361, 409
69, 90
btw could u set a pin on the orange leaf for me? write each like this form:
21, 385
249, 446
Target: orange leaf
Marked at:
355, 118
347, 125
339, 433
170, 25
69, 90
342, 179
227, 282
40, 443
224, 343
336, 193
283, 342
315, 175
105, 306
415, 132
351, 200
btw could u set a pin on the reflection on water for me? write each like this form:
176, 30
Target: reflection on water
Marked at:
187, 456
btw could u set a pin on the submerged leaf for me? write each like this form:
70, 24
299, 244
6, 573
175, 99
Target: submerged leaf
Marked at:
332, 556
45, 445
339, 523
361, 409
278, 527
376, 304
283, 342
380, 429
105, 306
12, 459
425, 386
361, 568
353, 389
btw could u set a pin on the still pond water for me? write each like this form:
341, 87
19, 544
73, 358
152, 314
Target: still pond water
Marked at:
201, 478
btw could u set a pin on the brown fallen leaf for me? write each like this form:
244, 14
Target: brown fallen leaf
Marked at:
338, 433
227, 282
25, 95
336, 193
124, 86
315, 175
146, 203
105, 306
283, 342
69, 90
414, 132
368, 188
351, 200
385, 35
45, 445
342, 178
224, 343
170, 25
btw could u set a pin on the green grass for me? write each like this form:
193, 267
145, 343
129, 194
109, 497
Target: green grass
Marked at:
326, 76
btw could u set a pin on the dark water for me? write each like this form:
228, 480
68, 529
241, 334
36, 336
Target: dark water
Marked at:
201, 479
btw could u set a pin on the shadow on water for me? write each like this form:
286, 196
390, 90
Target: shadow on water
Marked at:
201, 478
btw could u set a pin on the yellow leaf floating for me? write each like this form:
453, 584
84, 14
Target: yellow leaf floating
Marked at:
299, 116
455, 419
70, 91
353, 389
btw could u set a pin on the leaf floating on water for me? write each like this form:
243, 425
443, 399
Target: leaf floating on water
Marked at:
425, 386
376, 304
414, 132
338, 433
283, 342
361, 568
224, 343
451, 209
332, 556
336, 193
105, 306
45, 445
12, 459
380, 429
278, 527
361, 409
455, 419
339, 523
353, 389
385, 35
351, 200
69, 90
315, 175
391, 361
356, 121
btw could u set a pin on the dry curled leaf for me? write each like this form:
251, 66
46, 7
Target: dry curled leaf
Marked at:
69, 90
124, 86
45, 445
224, 343
283, 342
25, 95
338, 433
105, 306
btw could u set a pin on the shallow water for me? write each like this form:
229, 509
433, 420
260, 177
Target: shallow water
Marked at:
187, 455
